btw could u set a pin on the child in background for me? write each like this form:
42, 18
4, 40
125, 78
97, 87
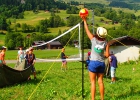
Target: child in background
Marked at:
88, 59
113, 65
2, 55
20, 56
63, 57
30, 58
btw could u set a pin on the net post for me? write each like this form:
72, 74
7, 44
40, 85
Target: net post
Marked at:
82, 47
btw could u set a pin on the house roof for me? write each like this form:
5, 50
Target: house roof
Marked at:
55, 43
38, 42
124, 40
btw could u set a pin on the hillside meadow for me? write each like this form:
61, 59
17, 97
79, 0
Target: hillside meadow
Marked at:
54, 84
31, 18
91, 1
2, 38
126, 10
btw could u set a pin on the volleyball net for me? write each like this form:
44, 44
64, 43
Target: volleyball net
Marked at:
73, 57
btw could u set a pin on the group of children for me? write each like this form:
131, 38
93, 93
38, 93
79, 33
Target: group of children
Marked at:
29, 56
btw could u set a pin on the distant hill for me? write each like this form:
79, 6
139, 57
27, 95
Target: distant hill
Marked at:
130, 4
102, 1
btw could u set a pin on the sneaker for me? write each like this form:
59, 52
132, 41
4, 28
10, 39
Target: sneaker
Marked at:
112, 82
29, 78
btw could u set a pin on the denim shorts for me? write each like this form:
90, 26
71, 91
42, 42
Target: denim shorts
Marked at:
113, 71
96, 66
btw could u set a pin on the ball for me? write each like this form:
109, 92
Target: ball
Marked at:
101, 32
83, 12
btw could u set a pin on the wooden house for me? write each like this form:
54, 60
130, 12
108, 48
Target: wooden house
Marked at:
54, 45
125, 48
36, 43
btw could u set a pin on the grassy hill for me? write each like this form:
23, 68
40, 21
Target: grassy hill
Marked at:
2, 38
104, 1
31, 18
89, 1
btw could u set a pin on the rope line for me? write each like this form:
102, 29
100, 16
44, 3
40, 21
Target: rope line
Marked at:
118, 41
123, 45
50, 68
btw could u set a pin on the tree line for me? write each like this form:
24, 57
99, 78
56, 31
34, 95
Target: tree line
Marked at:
14, 40
122, 4
13, 37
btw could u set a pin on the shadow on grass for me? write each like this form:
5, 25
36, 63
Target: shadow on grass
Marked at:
22, 83
122, 79
74, 68
132, 92
118, 79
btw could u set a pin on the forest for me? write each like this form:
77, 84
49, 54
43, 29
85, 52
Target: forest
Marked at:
129, 22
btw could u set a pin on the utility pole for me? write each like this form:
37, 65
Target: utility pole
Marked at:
93, 21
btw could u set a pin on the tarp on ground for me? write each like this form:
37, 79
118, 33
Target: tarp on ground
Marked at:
9, 76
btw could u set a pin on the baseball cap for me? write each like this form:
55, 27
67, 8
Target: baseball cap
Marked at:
3, 47
27, 50
31, 48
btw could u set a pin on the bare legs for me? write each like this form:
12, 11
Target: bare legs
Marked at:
113, 79
64, 66
93, 77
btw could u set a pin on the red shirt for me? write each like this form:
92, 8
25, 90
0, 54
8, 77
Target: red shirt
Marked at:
89, 53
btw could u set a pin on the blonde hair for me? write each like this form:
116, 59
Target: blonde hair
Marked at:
63, 49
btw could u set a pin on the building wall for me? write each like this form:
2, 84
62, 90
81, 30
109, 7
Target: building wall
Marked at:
125, 54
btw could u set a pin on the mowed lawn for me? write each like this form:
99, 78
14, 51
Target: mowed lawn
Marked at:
45, 54
55, 84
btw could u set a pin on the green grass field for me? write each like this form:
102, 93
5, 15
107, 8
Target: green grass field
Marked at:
44, 54
59, 85
126, 10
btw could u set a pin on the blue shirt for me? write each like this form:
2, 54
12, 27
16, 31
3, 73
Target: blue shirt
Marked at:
113, 62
